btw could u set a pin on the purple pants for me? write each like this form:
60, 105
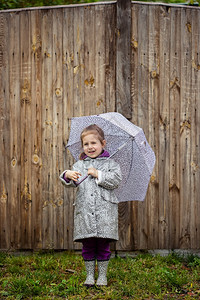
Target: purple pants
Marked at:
96, 248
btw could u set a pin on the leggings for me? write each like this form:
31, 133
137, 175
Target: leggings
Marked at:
96, 248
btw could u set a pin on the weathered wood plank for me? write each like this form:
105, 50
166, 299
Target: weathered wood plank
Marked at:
196, 38
185, 128
89, 59
162, 133
4, 134
57, 127
135, 118
99, 54
15, 133
123, 102
79, 63
47, 128
110, 58
123, 59
68, 79
36, 146
195, 118
153, 129
79, 66
25, 123
174, 137
143, 118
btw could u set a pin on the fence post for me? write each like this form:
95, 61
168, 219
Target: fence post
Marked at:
123, 103
123, 59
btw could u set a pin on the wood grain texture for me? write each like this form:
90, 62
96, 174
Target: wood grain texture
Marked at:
47, 129
4, 134
68, 79
186, 95
36, 125
163, 129
174, 140
123, 61
15, 133
56, 63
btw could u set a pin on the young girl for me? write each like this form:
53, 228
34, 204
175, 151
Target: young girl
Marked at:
96, 206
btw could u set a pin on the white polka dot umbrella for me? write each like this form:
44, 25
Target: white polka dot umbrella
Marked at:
126, 144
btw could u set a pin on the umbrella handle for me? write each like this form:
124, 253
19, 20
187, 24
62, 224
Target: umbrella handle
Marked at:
79, 182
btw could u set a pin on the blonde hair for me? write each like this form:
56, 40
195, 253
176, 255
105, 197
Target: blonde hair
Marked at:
91, 129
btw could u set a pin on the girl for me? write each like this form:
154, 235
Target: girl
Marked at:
96, 206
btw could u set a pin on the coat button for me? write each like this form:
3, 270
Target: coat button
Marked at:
91, 194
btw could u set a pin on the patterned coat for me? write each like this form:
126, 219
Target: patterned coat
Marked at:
96, 205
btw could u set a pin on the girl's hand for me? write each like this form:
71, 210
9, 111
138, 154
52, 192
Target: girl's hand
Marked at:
93, 172
73, 175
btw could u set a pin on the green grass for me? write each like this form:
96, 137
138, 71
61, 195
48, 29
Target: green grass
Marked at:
61, 276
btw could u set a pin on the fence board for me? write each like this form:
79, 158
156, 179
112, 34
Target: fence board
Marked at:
185, 128
68, 54
143, 119
123, 102
25, 124
174, 97
110, 58
194, 234
62, 62
47, 127
89, 59
36, 146
123, 61
15, 134
135, 105
57, 155
99, 55
195, 187
153, 71
164, 72
79, 64
4, 133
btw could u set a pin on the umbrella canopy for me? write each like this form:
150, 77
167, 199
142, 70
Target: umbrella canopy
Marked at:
126, 144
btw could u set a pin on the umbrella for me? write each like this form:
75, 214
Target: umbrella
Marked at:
126, 144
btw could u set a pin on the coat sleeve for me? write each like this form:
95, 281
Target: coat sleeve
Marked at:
68, 183
111, 177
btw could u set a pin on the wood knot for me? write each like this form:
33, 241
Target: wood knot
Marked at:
99, 102
37, 46
58, 92
4, 198
26, 93
35, 159
134, 44
48, 122
26, 196
189, 27
154, 74
47, 54
13, 162
90, 81
186, 124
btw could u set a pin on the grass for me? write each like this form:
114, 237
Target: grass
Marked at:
61, 276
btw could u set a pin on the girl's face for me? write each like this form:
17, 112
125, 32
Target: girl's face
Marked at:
92, 146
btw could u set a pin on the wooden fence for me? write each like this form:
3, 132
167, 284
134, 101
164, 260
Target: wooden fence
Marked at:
60, 62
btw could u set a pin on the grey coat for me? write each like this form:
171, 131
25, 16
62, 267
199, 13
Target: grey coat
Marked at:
96, 205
